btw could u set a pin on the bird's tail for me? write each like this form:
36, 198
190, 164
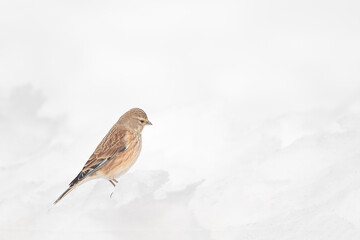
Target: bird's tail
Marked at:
71, 187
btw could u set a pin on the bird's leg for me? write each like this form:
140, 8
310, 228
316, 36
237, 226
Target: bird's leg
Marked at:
112, 183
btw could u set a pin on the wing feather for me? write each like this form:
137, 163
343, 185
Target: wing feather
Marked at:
115, 142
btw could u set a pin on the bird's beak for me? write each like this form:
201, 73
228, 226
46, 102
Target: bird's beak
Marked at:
148, 123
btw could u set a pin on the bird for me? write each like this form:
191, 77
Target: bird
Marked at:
116, 153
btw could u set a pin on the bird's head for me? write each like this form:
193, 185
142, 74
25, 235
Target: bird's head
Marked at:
135, 119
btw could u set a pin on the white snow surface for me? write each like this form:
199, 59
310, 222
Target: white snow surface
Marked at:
255, 108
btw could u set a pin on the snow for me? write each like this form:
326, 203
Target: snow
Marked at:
255, 108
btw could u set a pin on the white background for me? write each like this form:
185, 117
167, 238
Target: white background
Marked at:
255, 108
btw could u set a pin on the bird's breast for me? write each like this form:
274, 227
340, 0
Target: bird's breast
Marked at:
123, 162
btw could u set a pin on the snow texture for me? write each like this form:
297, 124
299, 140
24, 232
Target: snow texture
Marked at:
255, 108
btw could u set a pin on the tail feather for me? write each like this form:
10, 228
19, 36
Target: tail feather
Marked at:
71, 187
64, 194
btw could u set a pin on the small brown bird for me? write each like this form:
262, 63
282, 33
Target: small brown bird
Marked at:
116, 153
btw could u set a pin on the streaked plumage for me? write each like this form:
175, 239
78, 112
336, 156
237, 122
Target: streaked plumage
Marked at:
116, 153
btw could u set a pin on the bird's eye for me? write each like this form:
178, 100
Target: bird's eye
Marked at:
142, 121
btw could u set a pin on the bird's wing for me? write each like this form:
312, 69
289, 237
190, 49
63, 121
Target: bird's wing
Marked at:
115, 142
